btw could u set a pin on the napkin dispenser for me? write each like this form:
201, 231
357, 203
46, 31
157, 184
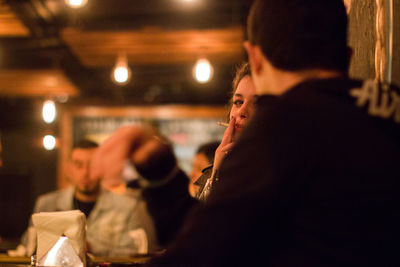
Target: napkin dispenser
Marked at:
62, 254
61, 238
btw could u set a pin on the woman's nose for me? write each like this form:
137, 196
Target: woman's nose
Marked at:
243, 112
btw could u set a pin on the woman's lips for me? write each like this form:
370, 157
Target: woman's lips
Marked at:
238, 127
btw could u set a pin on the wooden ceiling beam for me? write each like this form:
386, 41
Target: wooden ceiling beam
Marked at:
155, 46
10, 25
25, 83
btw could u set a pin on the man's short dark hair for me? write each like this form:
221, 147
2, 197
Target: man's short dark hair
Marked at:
85, 144
301, 34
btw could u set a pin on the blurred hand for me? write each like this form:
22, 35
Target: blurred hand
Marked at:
109, 158
138, 144
225, 146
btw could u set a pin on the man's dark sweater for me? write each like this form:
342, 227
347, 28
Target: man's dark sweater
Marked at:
314, 180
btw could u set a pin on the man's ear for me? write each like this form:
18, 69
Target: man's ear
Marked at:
255, 57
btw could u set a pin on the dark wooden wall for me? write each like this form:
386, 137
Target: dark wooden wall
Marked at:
396, 43
28, 170
362, 38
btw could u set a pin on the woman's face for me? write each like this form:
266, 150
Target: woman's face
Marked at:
243, 103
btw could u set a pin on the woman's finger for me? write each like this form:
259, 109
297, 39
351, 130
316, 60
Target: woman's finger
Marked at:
228, 134
227, 148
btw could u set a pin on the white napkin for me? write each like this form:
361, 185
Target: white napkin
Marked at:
50, 226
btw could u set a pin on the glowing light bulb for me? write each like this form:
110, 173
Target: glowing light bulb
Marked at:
121, 72
49, 111
76, 3
49, 142
203, 71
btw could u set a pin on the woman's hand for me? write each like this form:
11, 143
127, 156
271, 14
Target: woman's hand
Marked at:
225, 146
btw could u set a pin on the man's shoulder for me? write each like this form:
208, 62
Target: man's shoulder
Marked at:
133, 193
314, 91
305, 98
119, 201
49, 201
53, 195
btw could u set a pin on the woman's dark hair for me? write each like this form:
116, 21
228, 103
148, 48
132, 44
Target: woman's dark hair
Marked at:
241, 71
208, 150
301, 34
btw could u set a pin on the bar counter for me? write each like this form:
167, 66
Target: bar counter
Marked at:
92, 261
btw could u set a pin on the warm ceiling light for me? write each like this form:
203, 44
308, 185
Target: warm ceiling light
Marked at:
121, 72
76, 3
49, 111
203, 71
49, 142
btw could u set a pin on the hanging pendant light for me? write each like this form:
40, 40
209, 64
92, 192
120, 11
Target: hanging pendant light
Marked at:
121, 72
49, 111
49, 142
203, 71
76, 3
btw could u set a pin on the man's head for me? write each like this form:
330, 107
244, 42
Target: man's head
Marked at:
299, 35
203, 158
81, 156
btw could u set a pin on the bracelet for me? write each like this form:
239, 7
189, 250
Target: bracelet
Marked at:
145, 183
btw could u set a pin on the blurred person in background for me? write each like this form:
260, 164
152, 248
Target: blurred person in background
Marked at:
117, 224
201, 164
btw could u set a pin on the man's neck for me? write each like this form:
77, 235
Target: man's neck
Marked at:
86, 198
279, 82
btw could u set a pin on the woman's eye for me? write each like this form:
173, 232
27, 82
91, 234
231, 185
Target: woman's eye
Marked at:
238, 102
